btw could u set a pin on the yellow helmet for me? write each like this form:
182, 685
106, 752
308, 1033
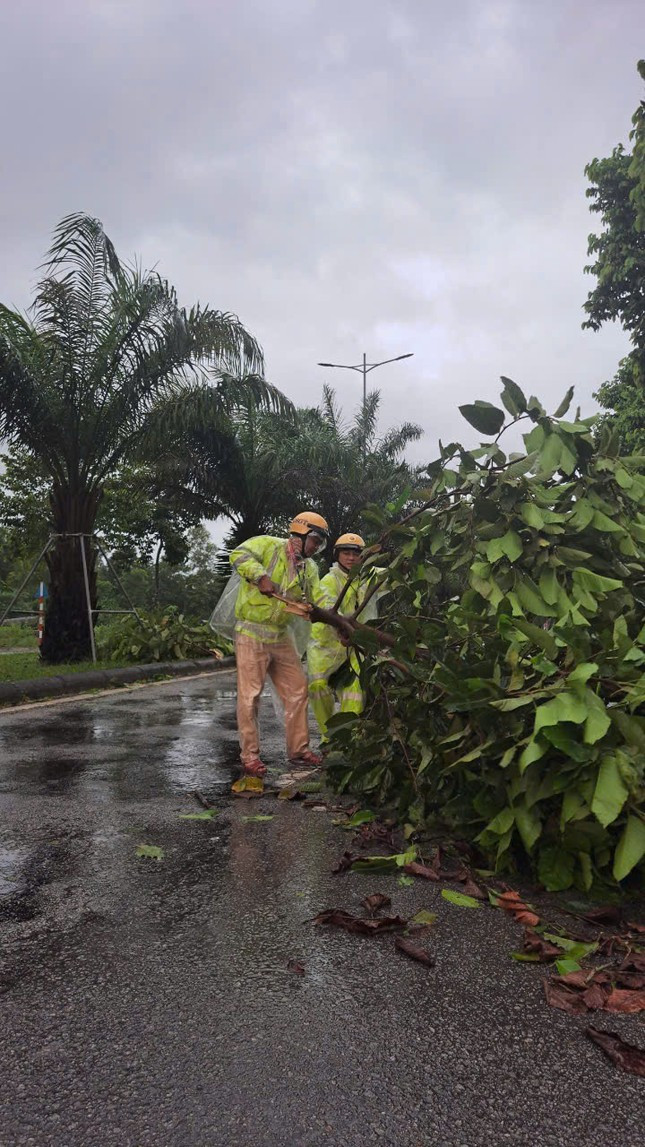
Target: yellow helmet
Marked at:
349, 542
307, 521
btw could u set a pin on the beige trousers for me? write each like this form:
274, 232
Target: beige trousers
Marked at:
254, 661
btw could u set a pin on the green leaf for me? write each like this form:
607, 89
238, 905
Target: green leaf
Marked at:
598, 720
575, 949
509, 545
528, 824
540, 637
485, 417
532, 515
423, 916
363, 816
531, 599
526, 957
550, 455
610, 792
595, 583
259, 818
207, 814
531, 753
150, 851
563, 967
460, 899
555, 869
565, 404
583, 672
606, 525
564, 706
406, 881
521, 466
513, 397
630, 849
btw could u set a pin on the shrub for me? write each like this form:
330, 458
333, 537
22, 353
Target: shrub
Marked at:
162, 637
511, 706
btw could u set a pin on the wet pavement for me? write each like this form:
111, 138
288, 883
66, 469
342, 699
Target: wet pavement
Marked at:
148, 1003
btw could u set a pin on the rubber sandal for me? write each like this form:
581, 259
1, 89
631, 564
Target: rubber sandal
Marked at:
255, 768
307, 758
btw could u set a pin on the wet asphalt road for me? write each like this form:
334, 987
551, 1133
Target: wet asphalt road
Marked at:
148, 1004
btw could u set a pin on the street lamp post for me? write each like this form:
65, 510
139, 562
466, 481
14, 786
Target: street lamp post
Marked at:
364, 368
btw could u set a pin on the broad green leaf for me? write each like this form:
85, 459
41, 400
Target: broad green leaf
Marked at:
548, 585
485, 417
606, 525
513, 397
363, 816
533, 751
423, 917
563, 707
550, 455
555, 869
586, 870
207, 814
541, 637
502, 822
405, 881
563, 967
595, 583
565, 404
583, 672
575, 949
509, 546
531, 599
630, 849
528, 824
624, 479
526, 957
150, 851
598, 720
610, 792
460, 899
573, 806
522, 465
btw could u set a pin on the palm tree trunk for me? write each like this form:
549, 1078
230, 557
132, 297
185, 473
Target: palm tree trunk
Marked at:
67, 626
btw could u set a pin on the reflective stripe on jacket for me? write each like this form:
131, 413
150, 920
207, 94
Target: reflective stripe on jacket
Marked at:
260, 616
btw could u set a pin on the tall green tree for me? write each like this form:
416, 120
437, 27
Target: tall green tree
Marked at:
105, 367
617, 194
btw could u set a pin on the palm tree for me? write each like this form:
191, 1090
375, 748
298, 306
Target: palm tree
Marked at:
107, 367
348, 467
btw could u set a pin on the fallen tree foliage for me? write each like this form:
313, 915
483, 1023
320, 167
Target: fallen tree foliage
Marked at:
506, 674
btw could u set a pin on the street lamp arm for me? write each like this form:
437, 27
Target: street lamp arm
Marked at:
373, 366
340, 366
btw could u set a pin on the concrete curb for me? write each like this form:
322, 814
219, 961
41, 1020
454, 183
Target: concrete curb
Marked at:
37, 688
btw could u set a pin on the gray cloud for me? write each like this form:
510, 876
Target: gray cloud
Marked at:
388, 176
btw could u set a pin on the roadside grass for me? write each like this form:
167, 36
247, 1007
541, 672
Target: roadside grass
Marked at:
24, 666
18, 637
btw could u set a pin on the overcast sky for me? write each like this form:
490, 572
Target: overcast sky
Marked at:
346, 175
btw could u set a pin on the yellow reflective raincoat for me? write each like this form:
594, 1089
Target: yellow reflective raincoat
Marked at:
326, 653
260, 616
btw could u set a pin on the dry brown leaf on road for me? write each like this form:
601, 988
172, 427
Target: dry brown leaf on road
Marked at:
339, 918
539, 947
567, 999
422, 870
624, 1055
414, 951
625, 1000
375, 902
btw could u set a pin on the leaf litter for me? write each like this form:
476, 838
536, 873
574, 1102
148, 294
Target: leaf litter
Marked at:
623, 1054
150, 852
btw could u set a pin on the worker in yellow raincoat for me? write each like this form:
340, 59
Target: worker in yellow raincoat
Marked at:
326, 652
263, 645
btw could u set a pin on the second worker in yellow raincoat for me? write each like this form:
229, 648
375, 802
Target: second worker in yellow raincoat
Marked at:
326, 652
